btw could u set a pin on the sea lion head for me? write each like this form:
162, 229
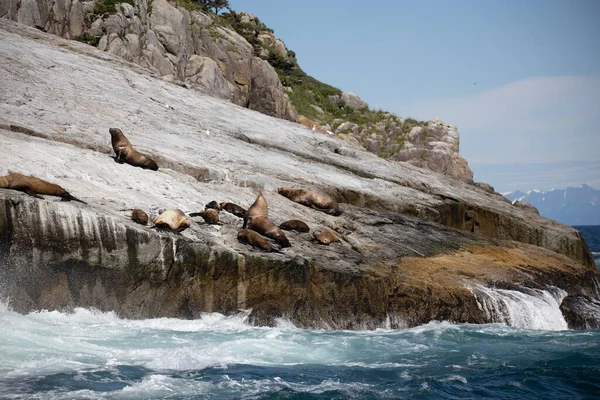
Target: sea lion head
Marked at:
139, 216
214, 205
115, 132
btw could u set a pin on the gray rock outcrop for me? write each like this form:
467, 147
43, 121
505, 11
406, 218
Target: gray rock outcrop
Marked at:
415, 245
353, 101
177, 44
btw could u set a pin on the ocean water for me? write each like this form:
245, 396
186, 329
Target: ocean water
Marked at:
89, 354
591, 235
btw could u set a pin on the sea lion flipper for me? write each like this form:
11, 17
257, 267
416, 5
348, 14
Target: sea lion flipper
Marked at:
68, 197
33, 194
274, 248
195, 214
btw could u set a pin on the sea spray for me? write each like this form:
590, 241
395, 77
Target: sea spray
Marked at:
526, 308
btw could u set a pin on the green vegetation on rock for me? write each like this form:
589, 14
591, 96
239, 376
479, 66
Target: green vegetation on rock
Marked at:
318, 101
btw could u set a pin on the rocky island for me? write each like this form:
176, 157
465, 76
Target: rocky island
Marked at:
420, 241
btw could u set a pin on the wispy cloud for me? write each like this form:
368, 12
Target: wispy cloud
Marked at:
536, 120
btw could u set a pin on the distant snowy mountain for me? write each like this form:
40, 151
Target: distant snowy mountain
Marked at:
571, 206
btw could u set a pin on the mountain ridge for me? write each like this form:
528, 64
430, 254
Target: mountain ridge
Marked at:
572, 206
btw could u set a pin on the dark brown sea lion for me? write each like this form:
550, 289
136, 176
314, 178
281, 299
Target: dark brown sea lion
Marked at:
174, 220
258, 209
326, 237
139, 216
294, 225
210, 215
125, 153
233, 209
248, 236
214, 205
318, 201
34, 186
263, 225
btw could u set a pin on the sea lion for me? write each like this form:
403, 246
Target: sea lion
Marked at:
257, 209
233, 209
316, 200
174, 220
294, 225
125, 153
326, 237
139, 216
263, 225
210, 215
214, 205
35, 186
248, 236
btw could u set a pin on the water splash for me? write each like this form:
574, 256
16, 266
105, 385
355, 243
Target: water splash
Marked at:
526, 308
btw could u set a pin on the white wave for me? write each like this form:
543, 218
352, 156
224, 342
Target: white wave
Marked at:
458, 378
161, 386
47, 342
527, 309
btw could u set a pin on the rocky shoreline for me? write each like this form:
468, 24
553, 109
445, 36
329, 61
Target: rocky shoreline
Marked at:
415, 244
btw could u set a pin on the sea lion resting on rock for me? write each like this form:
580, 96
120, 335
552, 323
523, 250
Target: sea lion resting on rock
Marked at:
294, 225
258, 209
233, 209
318, 201
254, 239
264, 226
139, 216
125, 152
326, 237
174, 220
210, 215
34, 186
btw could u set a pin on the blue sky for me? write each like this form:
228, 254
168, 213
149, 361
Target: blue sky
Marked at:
520, 79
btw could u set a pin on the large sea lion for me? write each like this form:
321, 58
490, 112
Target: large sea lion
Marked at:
258, 209
326, 237
125, 153
34, 186
294, 225
254, 239
233, 209
139, 216
210, 215
318, 201
263, 225
174, 220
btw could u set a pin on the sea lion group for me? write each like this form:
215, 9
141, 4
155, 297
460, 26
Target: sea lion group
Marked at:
256, 230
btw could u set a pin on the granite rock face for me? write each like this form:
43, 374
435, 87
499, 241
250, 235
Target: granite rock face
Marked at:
435, 147
416, 245
177, 44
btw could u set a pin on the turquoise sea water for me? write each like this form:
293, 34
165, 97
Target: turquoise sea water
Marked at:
88, 354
